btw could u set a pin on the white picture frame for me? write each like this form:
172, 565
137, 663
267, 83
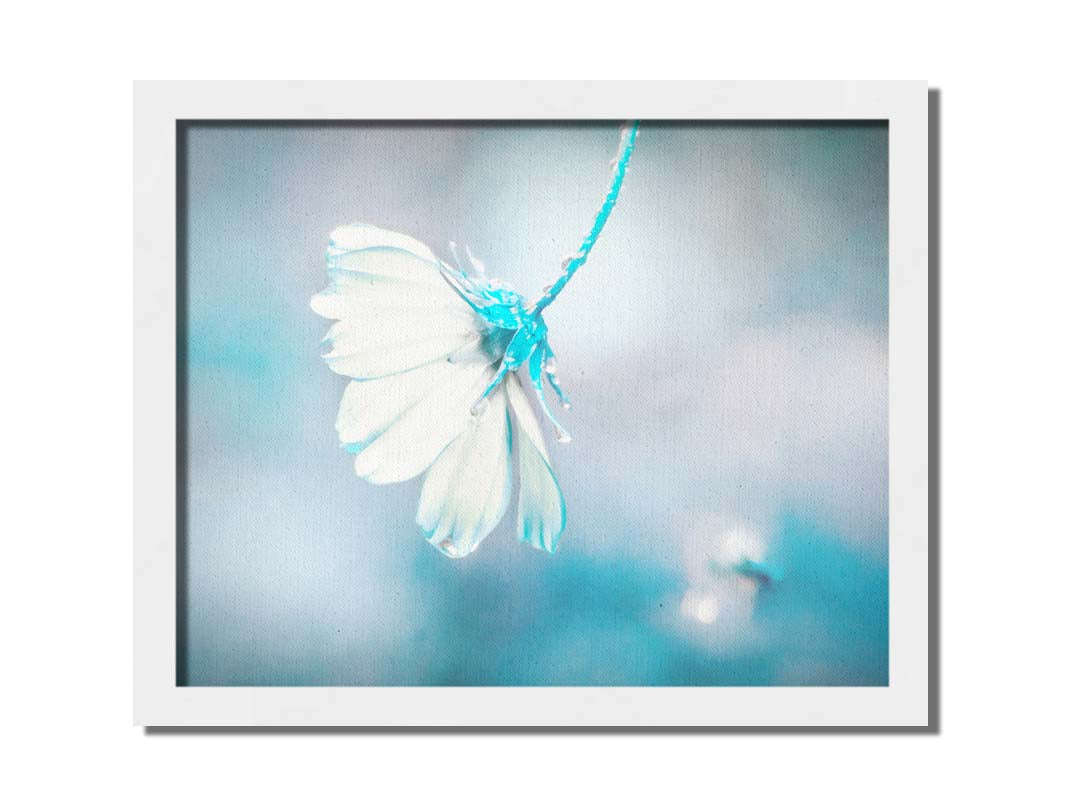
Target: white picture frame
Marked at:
158, 107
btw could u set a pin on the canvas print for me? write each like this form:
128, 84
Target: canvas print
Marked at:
533, 404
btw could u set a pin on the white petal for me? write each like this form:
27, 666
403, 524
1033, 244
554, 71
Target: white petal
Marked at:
370, 251
350, 294
385, 262
369, 407
542, 514
419, 434
468, 488
385, 342
379, 328
396, 358
359, 236
393, 308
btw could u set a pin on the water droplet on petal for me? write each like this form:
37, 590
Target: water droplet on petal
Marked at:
566, 404
550, 365
479, 407
562, 436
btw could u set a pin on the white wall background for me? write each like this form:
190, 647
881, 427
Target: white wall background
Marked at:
65, 590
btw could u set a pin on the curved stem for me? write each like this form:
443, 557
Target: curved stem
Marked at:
622, 160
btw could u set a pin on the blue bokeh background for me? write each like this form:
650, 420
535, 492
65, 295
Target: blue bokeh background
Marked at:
726, 351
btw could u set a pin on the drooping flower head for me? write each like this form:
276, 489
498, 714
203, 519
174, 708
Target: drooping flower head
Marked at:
433, 351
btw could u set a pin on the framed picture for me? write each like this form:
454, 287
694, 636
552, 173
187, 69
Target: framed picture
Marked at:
531, 404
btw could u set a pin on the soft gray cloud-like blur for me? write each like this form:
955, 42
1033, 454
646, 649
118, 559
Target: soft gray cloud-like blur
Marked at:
726, 351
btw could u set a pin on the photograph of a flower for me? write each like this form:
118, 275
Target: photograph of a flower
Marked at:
393, 478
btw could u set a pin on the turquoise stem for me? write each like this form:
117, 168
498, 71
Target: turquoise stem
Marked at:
571, 265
